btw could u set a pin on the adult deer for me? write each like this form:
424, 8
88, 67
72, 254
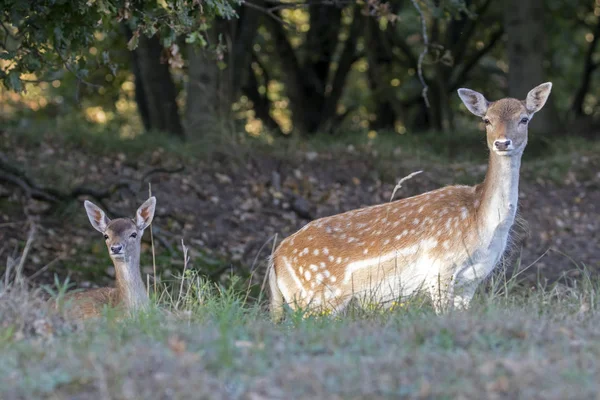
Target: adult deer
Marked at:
123, 238
444, 242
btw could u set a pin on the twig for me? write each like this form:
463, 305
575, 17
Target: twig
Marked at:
401, 181
423, 53
44, 268
186, 260
79, 78
270, 265
19, 271
162, 170
152, 244
270, 13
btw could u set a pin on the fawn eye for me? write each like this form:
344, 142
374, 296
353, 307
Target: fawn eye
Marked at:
524, 120
486, 121
105, 237
133, 235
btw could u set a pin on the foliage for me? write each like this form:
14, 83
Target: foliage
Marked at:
39, 37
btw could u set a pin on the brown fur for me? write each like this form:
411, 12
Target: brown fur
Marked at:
441, 232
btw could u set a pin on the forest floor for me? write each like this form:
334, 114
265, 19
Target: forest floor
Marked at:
228, 200
522, 338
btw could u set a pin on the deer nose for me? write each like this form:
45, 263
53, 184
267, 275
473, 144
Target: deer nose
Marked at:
116, 249
502, 145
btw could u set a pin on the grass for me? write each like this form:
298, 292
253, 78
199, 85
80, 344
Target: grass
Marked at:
214, 342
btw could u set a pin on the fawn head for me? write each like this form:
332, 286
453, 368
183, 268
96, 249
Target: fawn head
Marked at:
506, 120
123, 235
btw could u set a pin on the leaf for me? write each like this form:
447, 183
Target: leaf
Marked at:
13, 81
7, 55
133, 42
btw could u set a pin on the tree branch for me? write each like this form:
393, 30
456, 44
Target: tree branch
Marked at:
347, 58
472, 62
423, 53
586, 77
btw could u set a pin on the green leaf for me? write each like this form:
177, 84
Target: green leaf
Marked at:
13, 81
7, 55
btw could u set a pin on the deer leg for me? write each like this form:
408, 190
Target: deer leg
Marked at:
463, 295
466, 282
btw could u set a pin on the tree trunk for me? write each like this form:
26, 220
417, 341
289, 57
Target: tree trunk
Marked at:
206, 105
524, 22
211, 91
380, 60
155, 90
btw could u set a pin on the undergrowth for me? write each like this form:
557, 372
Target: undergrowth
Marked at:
200, 339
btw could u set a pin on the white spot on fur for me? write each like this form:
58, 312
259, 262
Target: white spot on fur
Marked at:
416, 221
307, 275
366, 251
325, 250
463, 213
313, 267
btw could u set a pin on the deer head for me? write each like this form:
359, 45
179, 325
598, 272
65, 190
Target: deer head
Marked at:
506, 120
122, 235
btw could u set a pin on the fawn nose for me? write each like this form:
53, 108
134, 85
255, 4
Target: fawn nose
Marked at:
116, 249
503, 145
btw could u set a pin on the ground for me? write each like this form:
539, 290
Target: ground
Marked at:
229, 202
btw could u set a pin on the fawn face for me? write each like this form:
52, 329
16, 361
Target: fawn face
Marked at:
506, 120
123, 236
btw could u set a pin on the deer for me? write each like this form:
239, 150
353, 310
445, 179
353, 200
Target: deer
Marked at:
123, 237
442, 243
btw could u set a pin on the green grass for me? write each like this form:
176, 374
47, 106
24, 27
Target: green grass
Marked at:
216, 343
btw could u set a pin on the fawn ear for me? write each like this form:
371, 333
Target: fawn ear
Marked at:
97, 218
144, 214
474, 101
536, 98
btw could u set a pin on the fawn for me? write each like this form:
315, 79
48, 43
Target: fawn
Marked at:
123, 238
443, 242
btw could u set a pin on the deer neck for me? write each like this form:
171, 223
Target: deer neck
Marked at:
500, 193
131, 290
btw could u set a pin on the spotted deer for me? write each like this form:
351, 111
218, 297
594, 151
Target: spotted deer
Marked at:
443, 242
123, 238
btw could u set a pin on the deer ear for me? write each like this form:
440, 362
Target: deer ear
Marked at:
144, 214
97, 217
474, 101
536, 98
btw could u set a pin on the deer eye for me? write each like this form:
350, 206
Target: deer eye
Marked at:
524, 120
105, 237
486, 121
133, 235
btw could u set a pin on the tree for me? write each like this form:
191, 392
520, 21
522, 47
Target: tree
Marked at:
45, 36
524, 25
155, 92
315, 83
